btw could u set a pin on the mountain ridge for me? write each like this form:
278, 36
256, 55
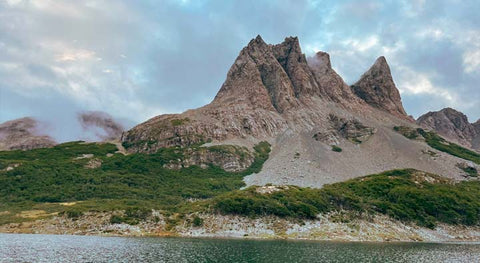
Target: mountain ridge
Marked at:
454, 125
303, 108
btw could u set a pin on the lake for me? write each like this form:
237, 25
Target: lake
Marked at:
62, 248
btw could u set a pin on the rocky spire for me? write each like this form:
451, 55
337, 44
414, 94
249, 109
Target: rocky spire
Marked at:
331, 85
290, 57
451, 124
257, 76
376, 87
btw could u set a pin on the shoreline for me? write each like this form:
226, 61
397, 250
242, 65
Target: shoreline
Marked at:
255, 239
376, 229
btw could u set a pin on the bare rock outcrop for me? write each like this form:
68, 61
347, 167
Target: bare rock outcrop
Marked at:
23, 134
453, 125
230, 158
376, 87
330, 83
269, 90
350, 129
289, 55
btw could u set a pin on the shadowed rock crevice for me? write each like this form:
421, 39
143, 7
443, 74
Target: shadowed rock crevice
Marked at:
290, 57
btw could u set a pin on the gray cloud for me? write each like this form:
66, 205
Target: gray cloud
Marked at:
137, 59
100, 125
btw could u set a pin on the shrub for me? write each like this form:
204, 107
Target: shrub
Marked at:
336, 148
134, 183
73, 214
197, 221
116, 219
405, 195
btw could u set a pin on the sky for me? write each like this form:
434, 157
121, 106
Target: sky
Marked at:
138, 59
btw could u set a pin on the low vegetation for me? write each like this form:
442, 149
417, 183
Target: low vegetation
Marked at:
178, 122
52, 176
406, 195
470, 171
44, 182
439, 143
336, 148
408, 132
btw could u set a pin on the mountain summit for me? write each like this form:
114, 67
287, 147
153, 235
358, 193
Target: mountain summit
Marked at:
376, 87
303, 108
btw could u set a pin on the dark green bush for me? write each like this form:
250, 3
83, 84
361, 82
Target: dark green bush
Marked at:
116, 219
74, 214
336, 148
56, 175
197, 221
400, 194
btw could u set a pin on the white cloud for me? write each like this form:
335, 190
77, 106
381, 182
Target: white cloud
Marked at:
74, 55
411, 82
471, 61
361, 45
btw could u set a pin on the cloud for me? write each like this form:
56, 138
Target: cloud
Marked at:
100, 126
137, 59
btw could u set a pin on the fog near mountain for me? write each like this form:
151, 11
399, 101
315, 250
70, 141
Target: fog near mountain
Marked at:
138, 59
101, 125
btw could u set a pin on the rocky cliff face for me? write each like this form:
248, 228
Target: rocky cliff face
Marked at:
453, 125
376, 87
23, 134
302, 107
269, 89
329, 82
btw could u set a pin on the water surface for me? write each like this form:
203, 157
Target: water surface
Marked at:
58, 248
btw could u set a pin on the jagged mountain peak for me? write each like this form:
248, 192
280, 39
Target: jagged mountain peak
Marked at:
381, 62
321, 60
331, 85
453, 125
377, 88
268, 89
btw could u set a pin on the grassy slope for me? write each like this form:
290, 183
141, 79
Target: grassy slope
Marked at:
439, 143
47, 177
405, 195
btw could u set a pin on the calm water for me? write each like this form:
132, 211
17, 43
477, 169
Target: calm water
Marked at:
51, 248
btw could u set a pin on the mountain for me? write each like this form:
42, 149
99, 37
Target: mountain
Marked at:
241, 165
453, 125
377, 88
23, 134
304, 109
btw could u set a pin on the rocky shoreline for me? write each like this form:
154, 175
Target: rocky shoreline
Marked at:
332, 227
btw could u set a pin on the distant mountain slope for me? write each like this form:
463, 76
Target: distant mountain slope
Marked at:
23, 134
453, 125
303, 108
